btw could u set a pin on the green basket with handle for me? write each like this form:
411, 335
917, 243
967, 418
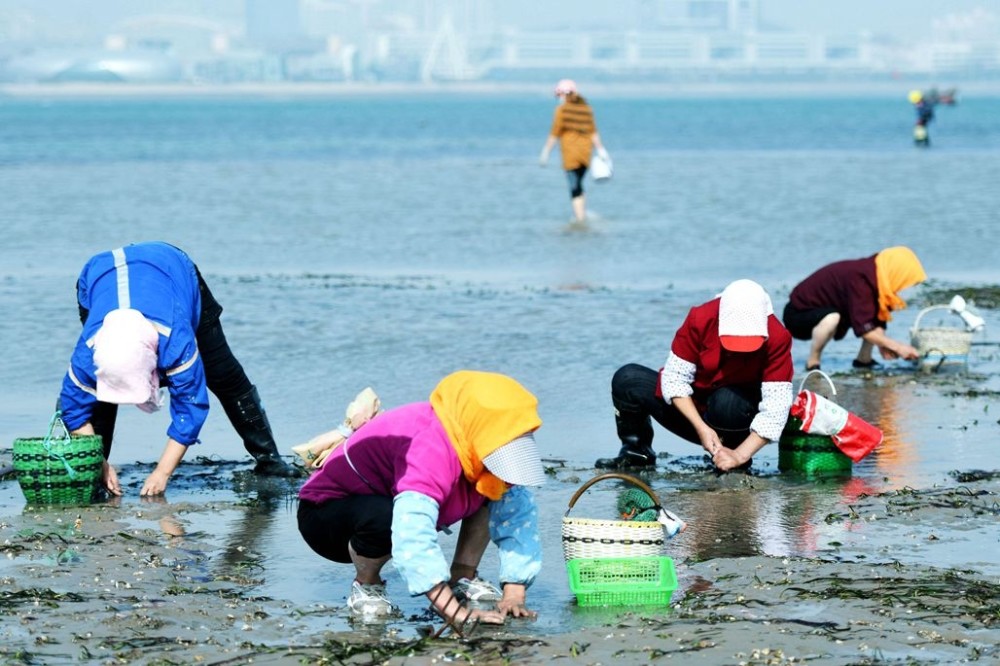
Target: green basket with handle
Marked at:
614, 562
624, 581
59, 468
809, 454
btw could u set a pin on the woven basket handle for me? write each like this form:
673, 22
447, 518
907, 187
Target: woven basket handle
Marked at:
821, 374
916, 322
613, 475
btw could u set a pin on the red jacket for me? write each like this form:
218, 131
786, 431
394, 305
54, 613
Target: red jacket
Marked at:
697, 342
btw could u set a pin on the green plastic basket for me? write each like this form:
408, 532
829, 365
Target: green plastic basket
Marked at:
812, 455
58, 468
622, 581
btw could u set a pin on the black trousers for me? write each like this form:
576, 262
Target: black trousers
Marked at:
800, 323
729, 409
364, 521
224, 375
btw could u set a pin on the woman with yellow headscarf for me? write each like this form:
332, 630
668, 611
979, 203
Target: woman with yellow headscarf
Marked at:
465, 455
857, 294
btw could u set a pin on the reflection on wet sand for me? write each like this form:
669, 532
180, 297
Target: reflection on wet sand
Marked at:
262, 497
897, 459
775, 516
721, 523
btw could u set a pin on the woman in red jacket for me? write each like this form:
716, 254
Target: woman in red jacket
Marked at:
726, 385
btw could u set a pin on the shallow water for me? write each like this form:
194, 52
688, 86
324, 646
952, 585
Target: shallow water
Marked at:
387, 242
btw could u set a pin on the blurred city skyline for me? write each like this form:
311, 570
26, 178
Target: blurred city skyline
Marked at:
897, 19
230, 41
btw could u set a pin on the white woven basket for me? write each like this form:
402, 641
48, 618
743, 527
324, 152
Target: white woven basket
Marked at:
938, 345
600, 538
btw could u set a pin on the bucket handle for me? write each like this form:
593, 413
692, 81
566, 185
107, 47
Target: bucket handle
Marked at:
937, 366
614, 475
822, 374
54, 423
920, 315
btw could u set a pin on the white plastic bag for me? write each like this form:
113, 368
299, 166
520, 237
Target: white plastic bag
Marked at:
601, 167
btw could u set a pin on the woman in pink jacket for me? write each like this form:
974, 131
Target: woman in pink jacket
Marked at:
466, 455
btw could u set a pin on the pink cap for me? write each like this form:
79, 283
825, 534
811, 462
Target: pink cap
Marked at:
565, 87
125, 357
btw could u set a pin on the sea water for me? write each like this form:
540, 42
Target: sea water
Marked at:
386, 241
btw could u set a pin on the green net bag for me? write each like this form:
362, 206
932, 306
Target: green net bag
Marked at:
59, 468
810, 454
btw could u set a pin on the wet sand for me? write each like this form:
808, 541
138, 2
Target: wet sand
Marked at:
890, 566
128, 582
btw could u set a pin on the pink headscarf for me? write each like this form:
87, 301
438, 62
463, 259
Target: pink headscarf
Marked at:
565, 87
125, 356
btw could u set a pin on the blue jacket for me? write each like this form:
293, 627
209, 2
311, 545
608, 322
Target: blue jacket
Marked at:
161, 282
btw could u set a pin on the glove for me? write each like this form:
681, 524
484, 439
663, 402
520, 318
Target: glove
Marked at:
543, 159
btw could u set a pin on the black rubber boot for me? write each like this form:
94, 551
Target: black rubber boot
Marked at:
632, 454
636, 434
247, 415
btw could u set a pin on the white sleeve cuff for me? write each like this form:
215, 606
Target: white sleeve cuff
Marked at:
677, 378
775, 401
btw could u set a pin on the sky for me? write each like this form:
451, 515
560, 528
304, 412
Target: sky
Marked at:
905, 20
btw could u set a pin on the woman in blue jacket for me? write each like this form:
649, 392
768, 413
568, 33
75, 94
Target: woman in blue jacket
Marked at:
149, 320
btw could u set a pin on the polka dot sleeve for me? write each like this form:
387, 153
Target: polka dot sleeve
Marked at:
677, 378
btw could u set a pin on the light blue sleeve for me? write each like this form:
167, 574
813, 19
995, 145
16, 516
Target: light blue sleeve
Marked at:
514, 529
415, 549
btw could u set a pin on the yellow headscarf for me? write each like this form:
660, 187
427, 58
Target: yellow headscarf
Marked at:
482, 411
896, 268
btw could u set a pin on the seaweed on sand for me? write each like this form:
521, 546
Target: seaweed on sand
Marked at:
38, 596
483, 649
977, 502
984, 296
945, 595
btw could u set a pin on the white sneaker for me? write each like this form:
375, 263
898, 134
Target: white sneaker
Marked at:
476, 589
369, 601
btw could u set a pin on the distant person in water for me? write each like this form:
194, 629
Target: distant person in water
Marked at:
574, 129
923, 104
726, 384
858, 294
149, 320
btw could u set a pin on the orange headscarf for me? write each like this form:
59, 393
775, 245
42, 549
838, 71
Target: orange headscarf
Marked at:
896, 268
482, 411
